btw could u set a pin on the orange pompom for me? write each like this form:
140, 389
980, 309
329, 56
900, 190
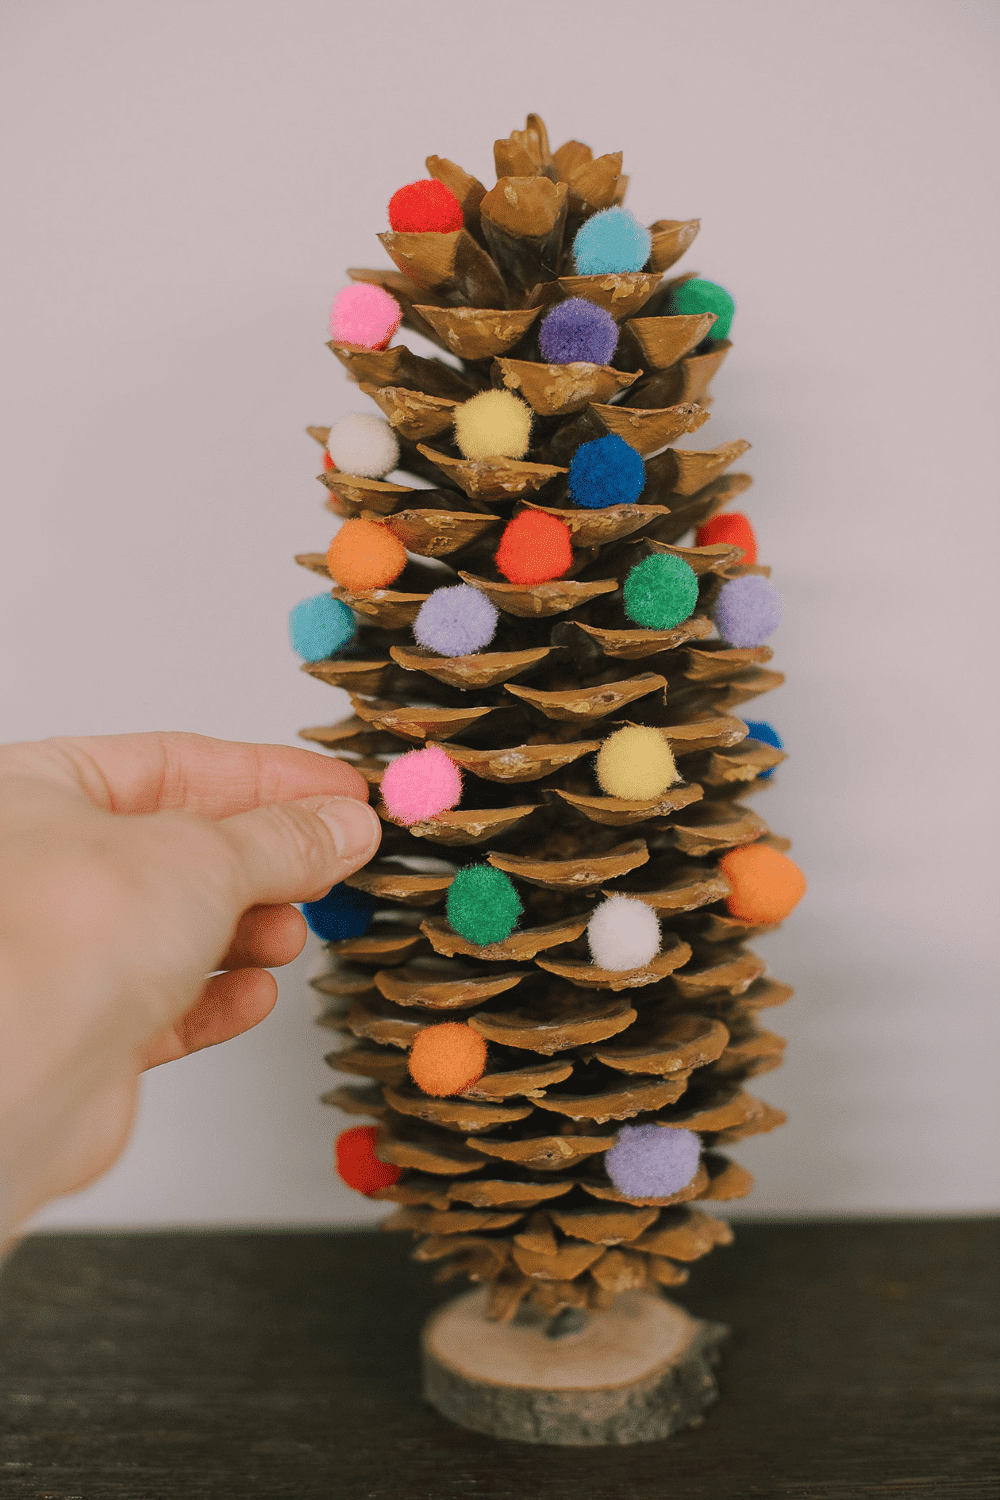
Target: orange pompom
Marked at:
534, 548
357, 1163
365, 555
447, 1058
766, 884
733, 528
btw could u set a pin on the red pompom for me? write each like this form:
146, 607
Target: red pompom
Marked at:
357, 1163
534, 548
734, 528
425, 205
328, 462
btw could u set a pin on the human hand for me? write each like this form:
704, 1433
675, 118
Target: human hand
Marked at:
132, 867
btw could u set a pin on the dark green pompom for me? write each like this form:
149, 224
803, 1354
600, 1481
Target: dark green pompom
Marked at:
660, 591
697, 296
483, 904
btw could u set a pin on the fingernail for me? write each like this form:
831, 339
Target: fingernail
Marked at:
354, 826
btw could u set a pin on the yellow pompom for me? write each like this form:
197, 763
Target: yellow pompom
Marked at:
635, 763
494, 424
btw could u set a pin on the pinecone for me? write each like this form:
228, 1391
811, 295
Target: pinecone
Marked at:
508, 1179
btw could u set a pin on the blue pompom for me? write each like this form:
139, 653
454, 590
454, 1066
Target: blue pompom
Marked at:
612, 240
341, 913
320, 626
606, 472
578, 330
766, 734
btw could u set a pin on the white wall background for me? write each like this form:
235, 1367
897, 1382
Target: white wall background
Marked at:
183, 182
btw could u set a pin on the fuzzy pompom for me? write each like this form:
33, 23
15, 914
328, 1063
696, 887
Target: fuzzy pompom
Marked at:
425, 205
652, 1161
609, 241
362, 444
534, 548
447, 1058
623, 934
456, 621
660, 591
357, 1164
365, 315
341, 913
606, 471
766, 883
494, 424
635, 763
421, 784
698, 296
319, 626
747, 610
578, 330
734, 529
365, 555
765, 734
483, 905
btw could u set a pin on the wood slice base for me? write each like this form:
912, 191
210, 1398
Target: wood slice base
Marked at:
634, 1373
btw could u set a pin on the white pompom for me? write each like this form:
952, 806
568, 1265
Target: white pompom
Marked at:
363, 444
623, 934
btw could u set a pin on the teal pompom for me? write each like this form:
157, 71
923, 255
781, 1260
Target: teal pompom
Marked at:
660, 591
483, 905
697, 296
609, 241
320, 626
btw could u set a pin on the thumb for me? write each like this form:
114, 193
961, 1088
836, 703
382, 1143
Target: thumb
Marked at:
294, 851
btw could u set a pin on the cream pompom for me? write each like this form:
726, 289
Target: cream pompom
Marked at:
623, 934
635, 763
363, 444
494, 424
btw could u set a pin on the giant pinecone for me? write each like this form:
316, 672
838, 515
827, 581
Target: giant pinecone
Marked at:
506, 1183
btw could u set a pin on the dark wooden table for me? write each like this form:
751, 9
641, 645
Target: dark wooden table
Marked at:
208, 1366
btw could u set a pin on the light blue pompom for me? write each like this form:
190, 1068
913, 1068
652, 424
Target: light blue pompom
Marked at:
320, 626
612, 240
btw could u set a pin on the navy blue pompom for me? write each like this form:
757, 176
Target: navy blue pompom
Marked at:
341, 913
606, 472
766, 734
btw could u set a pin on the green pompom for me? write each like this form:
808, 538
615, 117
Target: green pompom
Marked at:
660, 591
697, 296
483, 904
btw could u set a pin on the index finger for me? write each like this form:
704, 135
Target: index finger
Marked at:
142, 773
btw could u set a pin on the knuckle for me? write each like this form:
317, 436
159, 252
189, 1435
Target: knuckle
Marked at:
308, 841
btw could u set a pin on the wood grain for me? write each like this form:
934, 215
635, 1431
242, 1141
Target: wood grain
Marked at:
863, 1363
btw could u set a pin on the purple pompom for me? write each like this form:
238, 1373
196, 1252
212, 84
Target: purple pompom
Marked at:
456, 621
747, 610
578, 330
652, 1161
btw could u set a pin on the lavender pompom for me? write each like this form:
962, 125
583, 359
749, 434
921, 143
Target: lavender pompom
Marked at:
578, 330
456, 621
747, 610
652, 1161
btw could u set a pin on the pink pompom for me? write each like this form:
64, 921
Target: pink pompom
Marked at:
365, 315
420, 785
